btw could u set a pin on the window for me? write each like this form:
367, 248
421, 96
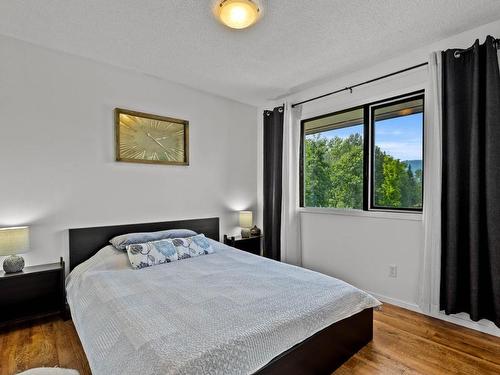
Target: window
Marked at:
397, 153
369, 157
333, 160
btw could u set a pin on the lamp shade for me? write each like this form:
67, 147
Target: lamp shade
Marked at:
14, 240
246, 219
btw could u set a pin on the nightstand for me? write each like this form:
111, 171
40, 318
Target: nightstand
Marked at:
251, 244
35, 292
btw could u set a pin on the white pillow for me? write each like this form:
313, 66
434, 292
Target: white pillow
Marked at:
121, 242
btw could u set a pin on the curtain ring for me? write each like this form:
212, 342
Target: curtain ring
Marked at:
280, 109
456, 54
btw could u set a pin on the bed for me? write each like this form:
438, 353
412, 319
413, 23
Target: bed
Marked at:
224, 313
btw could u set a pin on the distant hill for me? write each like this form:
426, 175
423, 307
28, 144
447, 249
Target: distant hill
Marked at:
415, 164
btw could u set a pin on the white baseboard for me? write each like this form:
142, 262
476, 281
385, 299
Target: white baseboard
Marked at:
463, 320
397, 302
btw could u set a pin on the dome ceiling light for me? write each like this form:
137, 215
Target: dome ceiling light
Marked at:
238, 14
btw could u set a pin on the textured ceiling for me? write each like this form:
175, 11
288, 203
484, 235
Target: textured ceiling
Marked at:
295, 43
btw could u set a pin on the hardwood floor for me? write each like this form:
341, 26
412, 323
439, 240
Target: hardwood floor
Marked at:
47, 342
404, 343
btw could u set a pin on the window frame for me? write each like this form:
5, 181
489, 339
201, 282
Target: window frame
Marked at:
368, 151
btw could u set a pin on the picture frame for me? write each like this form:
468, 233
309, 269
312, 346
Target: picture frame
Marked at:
150, 139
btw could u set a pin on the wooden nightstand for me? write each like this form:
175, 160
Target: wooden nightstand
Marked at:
35, 292
251, 244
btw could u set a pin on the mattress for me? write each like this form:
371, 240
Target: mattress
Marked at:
230, 312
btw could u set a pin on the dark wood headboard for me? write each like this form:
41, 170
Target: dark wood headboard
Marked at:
85, 242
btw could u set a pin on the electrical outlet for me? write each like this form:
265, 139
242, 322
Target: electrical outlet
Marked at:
393, 271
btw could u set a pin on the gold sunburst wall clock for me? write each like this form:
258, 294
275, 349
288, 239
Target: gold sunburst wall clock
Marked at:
146, 138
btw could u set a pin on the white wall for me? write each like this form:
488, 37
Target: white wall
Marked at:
359, 247
356, 246
359, 250
57, 168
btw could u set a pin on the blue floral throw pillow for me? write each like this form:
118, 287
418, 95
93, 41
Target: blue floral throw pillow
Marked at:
167, 250
151, 253
190, 247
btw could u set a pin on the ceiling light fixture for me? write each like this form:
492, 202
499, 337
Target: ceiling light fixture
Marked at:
238, 14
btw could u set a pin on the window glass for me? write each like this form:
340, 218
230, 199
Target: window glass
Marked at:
397, 178
333, 160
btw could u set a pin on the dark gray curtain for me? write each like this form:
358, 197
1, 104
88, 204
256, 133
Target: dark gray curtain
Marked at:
273, 166
470, 263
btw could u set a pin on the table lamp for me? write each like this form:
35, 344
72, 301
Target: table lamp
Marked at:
14, 240
246, 221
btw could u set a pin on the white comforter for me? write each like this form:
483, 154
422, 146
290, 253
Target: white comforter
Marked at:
225, 313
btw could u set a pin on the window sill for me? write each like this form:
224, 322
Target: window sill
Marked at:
412, 216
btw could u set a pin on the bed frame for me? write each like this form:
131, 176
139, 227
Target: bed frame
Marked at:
321, 353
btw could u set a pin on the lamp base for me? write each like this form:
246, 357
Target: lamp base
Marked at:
13, 263
245, 232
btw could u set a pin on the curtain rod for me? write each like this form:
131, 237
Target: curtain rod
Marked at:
349, 88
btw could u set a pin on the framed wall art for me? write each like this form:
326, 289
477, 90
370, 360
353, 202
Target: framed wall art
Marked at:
152, 139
